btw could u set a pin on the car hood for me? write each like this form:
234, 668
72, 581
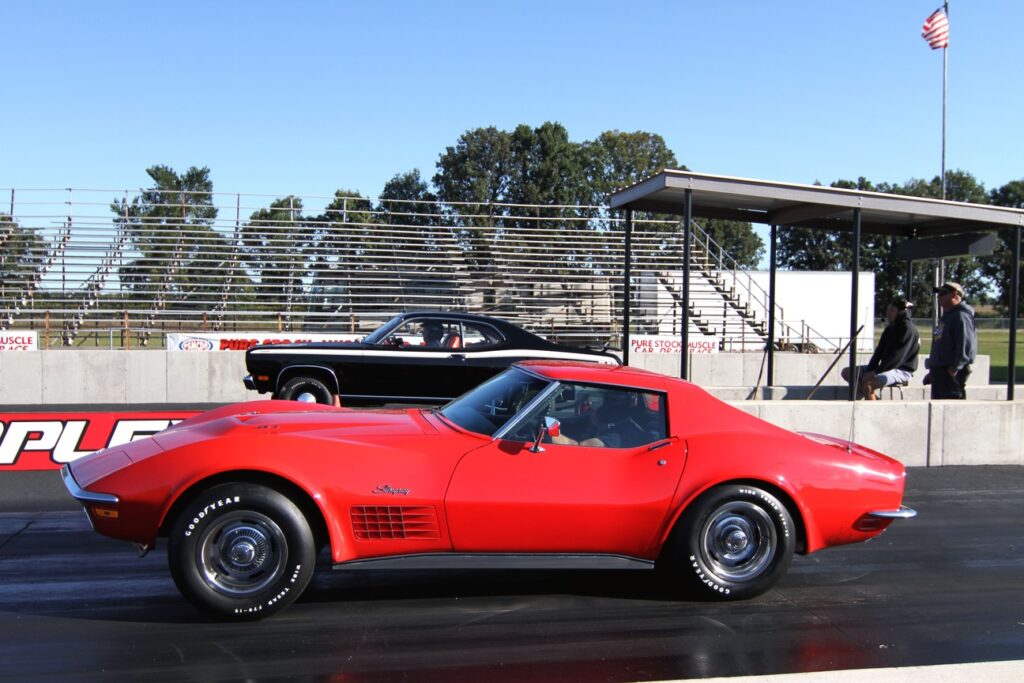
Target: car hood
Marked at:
250, 423
289, 417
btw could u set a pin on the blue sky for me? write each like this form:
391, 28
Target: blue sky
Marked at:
309, 97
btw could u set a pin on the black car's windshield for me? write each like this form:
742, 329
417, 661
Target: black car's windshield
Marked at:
381, 333
487, 408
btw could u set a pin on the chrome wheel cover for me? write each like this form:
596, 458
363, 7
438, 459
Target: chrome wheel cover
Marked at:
738, 541
241, 554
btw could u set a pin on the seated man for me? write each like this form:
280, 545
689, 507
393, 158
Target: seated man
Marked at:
618, 423
895, 359
432, 332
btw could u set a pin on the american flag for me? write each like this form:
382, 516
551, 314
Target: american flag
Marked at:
936, 29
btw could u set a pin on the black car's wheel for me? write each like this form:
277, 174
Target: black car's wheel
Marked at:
735, 542
306, 389
241, 551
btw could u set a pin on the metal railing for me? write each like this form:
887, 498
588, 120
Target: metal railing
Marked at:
80, 263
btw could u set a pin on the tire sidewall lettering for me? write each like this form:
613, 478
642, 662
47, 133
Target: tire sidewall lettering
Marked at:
204, 513
699, 570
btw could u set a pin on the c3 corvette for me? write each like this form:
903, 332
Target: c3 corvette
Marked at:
549, 464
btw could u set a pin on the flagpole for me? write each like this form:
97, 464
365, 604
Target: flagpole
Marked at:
945, 72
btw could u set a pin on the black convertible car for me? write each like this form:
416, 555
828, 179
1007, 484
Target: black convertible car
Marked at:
422, 357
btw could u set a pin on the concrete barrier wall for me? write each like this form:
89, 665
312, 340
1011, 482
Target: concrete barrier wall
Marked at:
121, 377
917, 432
791, 369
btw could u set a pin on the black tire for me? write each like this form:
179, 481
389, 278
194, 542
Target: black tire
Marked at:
307, 389
734, 542
241, 551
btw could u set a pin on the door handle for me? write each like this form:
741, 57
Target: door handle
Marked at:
458, 356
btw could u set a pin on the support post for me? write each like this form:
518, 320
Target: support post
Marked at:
772, 269
1011, 360
684, 352
908, 283
855, 271
626, 287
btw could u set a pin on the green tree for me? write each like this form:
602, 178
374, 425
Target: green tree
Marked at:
407, 200
171, 226
343, 252
961, 186
546, 167
274, 245
617, 159
473, 177
737, 239
996, 268
829, 250
22, 255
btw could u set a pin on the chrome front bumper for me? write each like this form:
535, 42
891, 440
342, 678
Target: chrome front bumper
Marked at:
902, 513
249, 382
81, 494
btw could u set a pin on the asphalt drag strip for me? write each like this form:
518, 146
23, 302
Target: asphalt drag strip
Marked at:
944, 588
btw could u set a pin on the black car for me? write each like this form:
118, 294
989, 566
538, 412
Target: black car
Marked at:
422, 357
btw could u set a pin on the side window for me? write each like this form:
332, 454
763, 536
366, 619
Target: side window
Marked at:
433, 333
601, 417
480, 336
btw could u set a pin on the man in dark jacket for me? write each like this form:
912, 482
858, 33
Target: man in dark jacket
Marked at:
954, 345
895, 359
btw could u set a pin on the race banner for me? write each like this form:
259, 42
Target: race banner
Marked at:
242, 341
45, 441
19, 340
649, 343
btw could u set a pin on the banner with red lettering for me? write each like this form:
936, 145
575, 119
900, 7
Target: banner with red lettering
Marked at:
19, 340
241, 341
45, 441
649, 343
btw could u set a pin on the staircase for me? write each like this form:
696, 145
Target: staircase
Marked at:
726, 305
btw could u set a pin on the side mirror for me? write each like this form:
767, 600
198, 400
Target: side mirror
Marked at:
551, 427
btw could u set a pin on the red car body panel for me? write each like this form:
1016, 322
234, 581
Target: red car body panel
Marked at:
406, 482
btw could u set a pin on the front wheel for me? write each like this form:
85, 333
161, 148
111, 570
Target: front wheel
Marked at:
734, 542
306, 390
241, 551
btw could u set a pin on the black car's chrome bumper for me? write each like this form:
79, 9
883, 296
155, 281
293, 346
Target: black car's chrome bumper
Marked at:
249, 382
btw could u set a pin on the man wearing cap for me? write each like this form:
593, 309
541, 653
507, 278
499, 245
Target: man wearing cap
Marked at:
895, 359
954, 344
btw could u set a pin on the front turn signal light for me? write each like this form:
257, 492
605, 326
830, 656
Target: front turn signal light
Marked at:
104, 513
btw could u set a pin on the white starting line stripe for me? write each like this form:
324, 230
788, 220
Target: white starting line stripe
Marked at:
989, 672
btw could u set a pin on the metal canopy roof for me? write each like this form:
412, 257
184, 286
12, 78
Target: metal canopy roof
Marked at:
810, 206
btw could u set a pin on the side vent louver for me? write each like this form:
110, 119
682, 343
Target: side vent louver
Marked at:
390, 522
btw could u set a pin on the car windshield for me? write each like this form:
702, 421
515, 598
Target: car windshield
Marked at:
381, 332
487, 408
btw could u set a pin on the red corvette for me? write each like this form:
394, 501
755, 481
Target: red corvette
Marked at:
549, 464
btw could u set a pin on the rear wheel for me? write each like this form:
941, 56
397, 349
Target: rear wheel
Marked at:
241, 551
307, 390
734, 542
